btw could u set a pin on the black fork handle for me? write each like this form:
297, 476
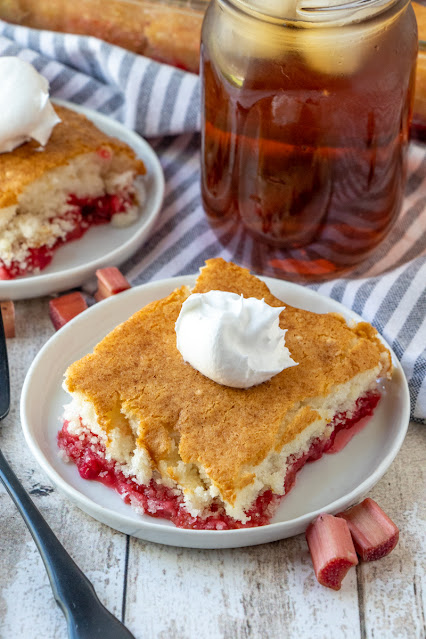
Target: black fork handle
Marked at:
86, 617
4, 374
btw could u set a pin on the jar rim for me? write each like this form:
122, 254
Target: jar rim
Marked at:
309, 11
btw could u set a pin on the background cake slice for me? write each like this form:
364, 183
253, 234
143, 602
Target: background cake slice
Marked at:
178, 445
53, 194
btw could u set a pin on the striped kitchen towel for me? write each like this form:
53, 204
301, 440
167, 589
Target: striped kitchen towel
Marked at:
163, 103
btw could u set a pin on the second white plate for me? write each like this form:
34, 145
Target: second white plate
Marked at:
102, 245
331, 484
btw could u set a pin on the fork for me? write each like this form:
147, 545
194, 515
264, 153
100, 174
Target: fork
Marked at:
86, 617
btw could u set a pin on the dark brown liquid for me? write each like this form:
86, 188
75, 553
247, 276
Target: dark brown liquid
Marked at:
311, 163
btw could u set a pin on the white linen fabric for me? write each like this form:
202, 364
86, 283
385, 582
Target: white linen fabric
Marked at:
163, 104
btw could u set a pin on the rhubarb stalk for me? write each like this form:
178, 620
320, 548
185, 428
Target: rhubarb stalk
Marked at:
332, 549
110, 282
8, 315
63, 309
373, 533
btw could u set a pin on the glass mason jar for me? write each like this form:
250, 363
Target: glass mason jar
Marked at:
306, 114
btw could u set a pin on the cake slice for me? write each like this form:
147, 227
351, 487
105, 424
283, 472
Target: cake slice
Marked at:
178, 445
50, 195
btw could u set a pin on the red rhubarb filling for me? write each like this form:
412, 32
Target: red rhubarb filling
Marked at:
157, 500
83, 214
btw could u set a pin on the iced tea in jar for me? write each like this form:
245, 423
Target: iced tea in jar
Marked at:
306, 114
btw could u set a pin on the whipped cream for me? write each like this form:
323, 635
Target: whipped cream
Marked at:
25, 108
233, 340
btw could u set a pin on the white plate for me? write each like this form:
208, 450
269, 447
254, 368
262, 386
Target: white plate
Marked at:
102, 245
330, 484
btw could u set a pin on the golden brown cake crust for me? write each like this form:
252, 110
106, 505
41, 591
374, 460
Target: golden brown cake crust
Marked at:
74, 135
226, 430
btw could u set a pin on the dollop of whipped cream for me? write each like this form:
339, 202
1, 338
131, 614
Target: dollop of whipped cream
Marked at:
25, 108
235, 341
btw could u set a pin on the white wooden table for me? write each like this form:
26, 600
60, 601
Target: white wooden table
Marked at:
163, 592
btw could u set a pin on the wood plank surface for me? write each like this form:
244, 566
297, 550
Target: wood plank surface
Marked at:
27, 608
266, 591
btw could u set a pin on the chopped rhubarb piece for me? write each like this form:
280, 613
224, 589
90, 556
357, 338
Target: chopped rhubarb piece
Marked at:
332, 549
5, 273
104, 153
63, 309
110, 282
8, 315
373, 533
